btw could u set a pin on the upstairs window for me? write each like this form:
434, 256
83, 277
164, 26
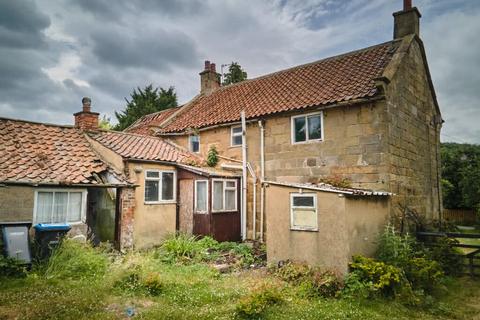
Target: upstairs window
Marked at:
224, 197
195, 143
307, 127
59, 206
236, 136
201, 196
159, 186
303, 210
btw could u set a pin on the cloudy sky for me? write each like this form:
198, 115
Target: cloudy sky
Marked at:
54, 52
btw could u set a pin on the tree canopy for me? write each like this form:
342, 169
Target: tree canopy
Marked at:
235, 74
143, 102
460, 175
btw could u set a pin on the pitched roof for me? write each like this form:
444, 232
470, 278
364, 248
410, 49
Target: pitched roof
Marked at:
141, 147
328, 81
42, 153
146, 124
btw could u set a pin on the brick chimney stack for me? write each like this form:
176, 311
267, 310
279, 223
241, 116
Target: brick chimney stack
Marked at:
209, 78
86, 119
407, 21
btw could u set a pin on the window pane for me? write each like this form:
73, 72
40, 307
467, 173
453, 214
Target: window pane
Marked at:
60, 207
44, 207
153, 174
194, 143
314, 127
231, 184
201, 196
299, 201
167, 186
75, 207
237, 130
151, 190
304, 218
217, 195
230, 199
299, 127
237, 140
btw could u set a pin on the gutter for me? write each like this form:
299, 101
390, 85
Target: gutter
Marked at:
58, 184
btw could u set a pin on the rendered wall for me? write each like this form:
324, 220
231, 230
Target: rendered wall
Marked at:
151, 222
16, 203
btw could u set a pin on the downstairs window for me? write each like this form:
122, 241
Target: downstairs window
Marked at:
303, 211
59, 206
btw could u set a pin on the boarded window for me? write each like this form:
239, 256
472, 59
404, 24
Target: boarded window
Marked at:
201, 196
159, 186
303, 212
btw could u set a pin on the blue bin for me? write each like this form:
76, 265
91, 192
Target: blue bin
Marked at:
48, 236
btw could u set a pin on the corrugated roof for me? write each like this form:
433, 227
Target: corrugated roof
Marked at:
329, 188
41, 153
342, 78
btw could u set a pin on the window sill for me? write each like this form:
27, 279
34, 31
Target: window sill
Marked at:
225, 211
308, 141
304, 229
159, 202
237, 146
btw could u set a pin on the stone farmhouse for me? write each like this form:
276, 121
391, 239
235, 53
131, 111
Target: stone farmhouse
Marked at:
369, 116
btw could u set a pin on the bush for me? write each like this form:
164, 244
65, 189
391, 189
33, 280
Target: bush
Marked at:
313, 280
423, 274
448, 257
381, 277
153, 283
395, 249
10, 267
255, 303
181, 246
75, 260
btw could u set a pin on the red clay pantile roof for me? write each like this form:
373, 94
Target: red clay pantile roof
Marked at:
141, 147
146, 125
332, 80
40, 153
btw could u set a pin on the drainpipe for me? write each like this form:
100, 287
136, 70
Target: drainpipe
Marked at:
244, 176
254, 176
262, 175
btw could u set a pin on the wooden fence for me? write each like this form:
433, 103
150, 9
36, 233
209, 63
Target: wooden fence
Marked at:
471, 256
467, 216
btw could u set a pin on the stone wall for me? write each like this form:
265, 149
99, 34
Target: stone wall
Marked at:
413, 136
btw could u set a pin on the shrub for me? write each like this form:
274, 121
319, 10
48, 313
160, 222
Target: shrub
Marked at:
423, 273
181, 246
326, 283
212, 156
356, 287
395, 249
384, 278
153, 283
10, 267
76, 260
448, 257
293, 272
255, 303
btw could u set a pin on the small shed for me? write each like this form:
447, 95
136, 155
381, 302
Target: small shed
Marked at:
323, 225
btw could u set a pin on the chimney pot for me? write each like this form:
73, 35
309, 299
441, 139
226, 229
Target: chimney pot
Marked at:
209, 78
86, 102
407, 5
207, 65
213, 68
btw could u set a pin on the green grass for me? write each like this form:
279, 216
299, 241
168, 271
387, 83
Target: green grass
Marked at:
195, 290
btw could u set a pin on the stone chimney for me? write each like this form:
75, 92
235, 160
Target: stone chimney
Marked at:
209, 78
86, 119
407, 21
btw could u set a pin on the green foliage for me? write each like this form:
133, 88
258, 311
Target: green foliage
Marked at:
10, 267
153, 283
423, 274
104, 123
135, 280
143, 102
76, 260
313, 280
235, 74
336, 181
383, 278
212, 156
254, 304
447, 256
395, 249
461, 175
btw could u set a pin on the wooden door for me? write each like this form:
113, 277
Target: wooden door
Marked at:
185, 210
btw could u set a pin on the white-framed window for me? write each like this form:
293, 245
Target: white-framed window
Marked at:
194, 143
303, 211
236, 136
60, 206
224, 195
308, 127
159, 186
201, 196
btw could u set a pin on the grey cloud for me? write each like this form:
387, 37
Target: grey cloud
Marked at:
156, 49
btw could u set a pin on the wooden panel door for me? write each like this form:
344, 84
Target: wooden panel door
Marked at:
185, 209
